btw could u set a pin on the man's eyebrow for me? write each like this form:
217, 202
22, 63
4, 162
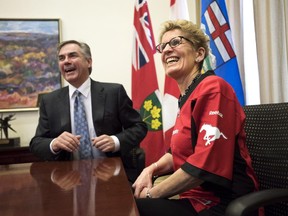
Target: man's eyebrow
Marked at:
68, 54
72, 53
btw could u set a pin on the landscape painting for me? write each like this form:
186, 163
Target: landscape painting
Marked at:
28, 62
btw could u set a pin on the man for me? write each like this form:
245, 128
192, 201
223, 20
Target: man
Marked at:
115, 128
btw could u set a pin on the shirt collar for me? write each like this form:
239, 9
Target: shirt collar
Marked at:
84, 88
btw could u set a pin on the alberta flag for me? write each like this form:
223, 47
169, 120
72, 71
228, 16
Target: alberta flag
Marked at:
145, 90
216, 21
179, 10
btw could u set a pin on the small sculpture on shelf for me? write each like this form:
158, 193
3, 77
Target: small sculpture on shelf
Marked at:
4, 124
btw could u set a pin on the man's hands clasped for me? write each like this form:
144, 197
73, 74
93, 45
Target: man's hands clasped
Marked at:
70, 142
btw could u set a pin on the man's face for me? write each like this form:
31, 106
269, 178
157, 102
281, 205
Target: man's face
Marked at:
73, 65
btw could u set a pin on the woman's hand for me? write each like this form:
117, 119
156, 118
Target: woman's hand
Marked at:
143, 182
143, 193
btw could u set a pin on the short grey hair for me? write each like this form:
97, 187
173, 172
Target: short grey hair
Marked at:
84, 48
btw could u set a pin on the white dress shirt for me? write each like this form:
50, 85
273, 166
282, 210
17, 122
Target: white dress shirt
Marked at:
85, 91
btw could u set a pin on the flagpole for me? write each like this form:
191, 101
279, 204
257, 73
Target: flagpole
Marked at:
198, 11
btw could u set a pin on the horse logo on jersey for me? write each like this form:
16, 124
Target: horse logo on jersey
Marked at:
212, 133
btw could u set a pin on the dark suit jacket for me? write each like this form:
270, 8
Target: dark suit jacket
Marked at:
113, 114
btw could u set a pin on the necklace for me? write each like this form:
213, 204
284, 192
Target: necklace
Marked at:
189, 87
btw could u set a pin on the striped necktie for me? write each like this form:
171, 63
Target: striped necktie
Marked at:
81, 127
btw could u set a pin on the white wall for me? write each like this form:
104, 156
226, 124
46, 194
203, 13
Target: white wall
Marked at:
105, 25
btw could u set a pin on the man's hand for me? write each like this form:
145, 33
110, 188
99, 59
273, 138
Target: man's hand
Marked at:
104, 143
66, 141
66, 180
106, 169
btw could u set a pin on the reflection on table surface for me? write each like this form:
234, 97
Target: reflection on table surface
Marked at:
86, 187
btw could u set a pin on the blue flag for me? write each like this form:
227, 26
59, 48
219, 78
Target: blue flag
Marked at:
215, 18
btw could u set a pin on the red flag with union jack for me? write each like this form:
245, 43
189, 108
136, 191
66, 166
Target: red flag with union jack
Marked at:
145, 90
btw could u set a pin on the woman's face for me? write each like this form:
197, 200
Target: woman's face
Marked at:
179, 61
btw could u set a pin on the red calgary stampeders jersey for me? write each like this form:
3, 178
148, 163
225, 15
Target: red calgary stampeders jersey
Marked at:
208, 142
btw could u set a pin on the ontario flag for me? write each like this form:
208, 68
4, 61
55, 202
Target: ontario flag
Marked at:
215, 18
145, 91
179, 10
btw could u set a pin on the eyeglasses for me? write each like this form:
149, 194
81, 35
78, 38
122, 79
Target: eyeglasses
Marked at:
174, 42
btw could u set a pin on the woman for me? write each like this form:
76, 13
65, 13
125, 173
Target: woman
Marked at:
208, 157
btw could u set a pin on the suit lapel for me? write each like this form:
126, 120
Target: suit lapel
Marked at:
63, 108
98, 102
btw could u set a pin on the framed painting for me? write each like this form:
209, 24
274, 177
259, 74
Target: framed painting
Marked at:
28, 62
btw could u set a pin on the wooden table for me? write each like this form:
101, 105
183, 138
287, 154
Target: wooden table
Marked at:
59, 188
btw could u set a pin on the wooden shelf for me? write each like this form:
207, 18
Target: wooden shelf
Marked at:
14, 155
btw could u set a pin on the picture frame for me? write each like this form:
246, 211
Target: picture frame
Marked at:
28, 62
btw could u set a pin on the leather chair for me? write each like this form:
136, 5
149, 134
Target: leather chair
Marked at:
267, 140
134, 163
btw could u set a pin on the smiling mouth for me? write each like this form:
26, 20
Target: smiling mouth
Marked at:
69, 68
172, 60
